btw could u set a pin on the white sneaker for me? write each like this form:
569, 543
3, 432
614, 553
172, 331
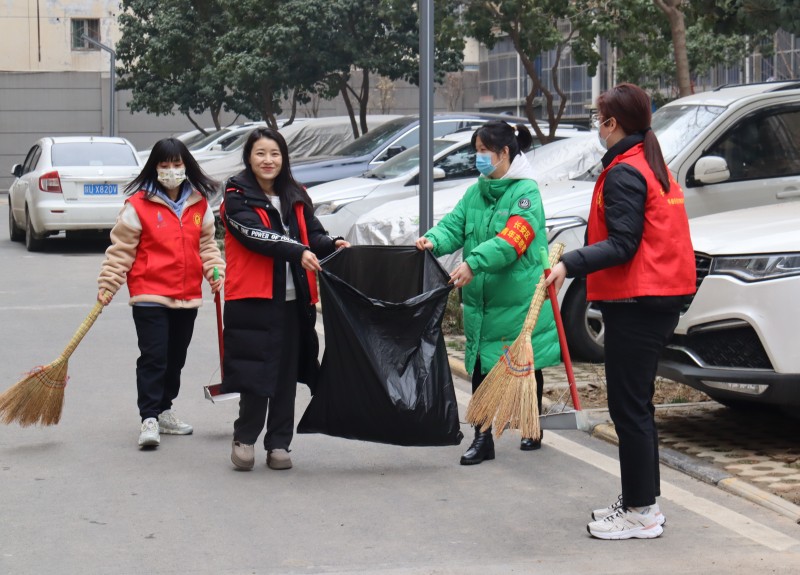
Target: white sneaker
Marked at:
629, 523
149, 436
168, 423
600, 514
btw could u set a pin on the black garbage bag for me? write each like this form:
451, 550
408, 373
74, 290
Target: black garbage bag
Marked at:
384, 375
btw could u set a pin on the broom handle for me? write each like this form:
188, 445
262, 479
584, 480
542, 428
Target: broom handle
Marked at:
540, 291
562, 336
81, 331
218, 305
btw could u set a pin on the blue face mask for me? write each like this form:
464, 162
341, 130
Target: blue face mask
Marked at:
483, 163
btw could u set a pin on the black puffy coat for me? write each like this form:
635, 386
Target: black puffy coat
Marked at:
253, 334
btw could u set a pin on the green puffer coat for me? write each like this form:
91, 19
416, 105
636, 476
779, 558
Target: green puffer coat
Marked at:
498, 298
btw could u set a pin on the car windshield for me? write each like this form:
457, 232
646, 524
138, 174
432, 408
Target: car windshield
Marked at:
193, 139
676, 126
237, 143
406, 161
92, 154
374, 139
213, 136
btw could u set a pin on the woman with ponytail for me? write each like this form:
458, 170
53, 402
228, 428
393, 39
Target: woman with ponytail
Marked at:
639, 266
500, 224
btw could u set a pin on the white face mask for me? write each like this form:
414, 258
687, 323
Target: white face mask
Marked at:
603, 141
171, 178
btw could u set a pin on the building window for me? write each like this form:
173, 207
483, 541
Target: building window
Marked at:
88, 26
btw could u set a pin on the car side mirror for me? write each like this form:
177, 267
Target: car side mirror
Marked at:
438, 174
17, 170
711, 170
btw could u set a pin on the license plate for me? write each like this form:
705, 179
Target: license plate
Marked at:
99, 189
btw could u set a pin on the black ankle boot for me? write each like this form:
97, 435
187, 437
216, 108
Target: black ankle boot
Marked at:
528, 444
482, 448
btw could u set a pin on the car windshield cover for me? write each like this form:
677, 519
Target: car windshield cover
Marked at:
92, 154
374, 139
677, 126
406, 161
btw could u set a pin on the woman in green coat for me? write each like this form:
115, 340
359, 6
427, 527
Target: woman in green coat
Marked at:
500, 225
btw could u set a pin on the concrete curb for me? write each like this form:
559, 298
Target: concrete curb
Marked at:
686, 464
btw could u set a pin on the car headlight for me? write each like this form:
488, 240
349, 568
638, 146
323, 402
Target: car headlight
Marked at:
328, 208
555, 226
757, 268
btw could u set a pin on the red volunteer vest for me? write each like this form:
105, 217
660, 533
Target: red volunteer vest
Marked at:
664, 263
249, 274
168, 256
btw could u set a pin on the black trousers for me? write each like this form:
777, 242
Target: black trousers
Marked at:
164, 335
254, 409
634, 338
478, 377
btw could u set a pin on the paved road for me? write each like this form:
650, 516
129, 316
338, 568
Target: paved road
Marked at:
81, 498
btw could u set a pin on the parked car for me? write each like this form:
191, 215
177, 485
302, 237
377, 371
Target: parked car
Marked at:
69, 184
728, 148
309, 137
737, 341
397, 222
379, 145
338, 204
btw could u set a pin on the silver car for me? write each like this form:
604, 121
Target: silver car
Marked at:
69, 184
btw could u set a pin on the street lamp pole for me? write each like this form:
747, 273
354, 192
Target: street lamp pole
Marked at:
112, 131
425, 116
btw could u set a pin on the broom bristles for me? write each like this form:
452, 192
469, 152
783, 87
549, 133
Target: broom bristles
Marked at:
37, 398
507, 396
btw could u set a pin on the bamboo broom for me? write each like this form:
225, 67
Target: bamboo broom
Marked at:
507, 396
39, 396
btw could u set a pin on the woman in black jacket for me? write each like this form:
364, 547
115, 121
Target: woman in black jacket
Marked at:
272, 245
639, 265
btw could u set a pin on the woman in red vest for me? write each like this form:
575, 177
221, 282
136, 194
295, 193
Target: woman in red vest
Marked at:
272, 244
163, 245
639, 266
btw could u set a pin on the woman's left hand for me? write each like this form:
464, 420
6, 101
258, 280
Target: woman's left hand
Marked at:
310, 262
341, 244
462, 275
216, 285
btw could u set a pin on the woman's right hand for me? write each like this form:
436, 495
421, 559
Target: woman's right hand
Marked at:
557, 276
424, 244
104, 296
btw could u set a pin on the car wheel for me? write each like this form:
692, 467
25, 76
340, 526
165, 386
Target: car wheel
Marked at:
583, 324
16, 233
33, 242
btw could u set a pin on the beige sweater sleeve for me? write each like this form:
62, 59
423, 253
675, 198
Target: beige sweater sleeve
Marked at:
121, 254
209, 250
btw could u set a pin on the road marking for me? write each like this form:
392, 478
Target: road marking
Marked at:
719, 514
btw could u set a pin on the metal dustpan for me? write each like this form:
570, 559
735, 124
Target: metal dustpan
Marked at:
213, 392
569, 419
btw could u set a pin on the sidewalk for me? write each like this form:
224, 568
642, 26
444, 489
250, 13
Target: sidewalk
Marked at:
684, 445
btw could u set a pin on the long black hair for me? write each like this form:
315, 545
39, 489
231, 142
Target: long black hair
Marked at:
630, 106
497, 134
285, 185
171, 150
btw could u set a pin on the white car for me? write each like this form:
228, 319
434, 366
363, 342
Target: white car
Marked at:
68, 184
729, 148
397, 222
339, 204
737, 341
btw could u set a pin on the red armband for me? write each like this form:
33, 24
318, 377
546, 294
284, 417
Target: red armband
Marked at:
519, 233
